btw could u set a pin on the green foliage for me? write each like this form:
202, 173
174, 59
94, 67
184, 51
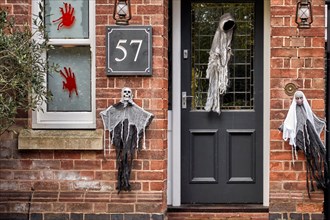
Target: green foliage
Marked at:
22, 68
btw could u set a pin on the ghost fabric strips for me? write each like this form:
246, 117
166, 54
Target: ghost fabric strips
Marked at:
217, 70
302, 128
126, 123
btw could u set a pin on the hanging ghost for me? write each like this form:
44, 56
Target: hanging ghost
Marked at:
303, 128
126, 123
217, 70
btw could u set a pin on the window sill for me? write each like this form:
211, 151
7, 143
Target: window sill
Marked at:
29, 139
219, 208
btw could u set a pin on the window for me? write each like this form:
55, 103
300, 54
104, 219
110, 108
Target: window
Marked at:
240, 93
70, 26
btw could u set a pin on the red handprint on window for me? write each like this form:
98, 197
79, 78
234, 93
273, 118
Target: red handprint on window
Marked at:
67, 18
70, 81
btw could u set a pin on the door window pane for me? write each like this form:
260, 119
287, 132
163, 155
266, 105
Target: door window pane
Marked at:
205, 20
71, 87
67, 19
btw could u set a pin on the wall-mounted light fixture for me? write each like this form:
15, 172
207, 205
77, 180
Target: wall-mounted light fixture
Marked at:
122, 12
304, 15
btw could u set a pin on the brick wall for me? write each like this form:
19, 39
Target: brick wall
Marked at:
297, 56
81, 184
77, 184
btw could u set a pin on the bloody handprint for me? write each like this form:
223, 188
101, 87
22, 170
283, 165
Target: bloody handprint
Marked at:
67, 18
70, 81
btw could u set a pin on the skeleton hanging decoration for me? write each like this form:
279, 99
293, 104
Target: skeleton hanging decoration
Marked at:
303, 128
217, 70
126, 123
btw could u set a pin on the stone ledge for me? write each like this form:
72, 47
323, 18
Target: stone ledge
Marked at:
219, 208
29, 139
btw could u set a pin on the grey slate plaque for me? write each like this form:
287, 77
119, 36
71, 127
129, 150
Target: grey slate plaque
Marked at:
129, 50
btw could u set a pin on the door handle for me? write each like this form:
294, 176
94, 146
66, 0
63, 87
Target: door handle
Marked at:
184, 99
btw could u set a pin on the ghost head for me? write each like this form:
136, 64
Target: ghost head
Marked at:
299, 96
126, 94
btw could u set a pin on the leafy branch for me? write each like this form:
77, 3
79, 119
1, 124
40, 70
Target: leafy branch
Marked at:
23, 66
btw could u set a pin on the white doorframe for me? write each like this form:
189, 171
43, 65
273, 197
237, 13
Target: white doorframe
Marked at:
174, 116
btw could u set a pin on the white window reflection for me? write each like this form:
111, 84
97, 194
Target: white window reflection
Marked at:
67, 19
71, 88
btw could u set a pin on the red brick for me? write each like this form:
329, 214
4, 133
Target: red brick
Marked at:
7, 7
67, 165
310, 207
297, 41
21, 9
294, 186
297, 63
120, 208
26, 175
46, 185
104, 9
79, 207
157, 186
67, 154
108, 164
149, 175
276, 166
280, 31
106, 175
100, 207
131, 82
155, 154
311, 52
40, 207
276, 145
284, 73
318, 104
281, 156
149, 9
312, 32
87, 165
157, 165
280, 176
314, 94
149, 208
46, 164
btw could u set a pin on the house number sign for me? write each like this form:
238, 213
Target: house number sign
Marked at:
129, 50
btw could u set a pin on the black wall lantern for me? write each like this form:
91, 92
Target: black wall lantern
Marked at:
304, 15
122, 12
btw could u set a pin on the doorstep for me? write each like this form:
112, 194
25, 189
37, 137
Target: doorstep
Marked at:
218, 212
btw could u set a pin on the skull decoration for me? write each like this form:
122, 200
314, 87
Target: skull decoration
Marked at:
299, 96
126, 94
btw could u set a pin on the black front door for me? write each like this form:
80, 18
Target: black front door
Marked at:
222, 155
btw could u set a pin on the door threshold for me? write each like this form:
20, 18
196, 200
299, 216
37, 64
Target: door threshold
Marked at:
219, 208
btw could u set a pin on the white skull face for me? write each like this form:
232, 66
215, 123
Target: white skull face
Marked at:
299, 98
126, 94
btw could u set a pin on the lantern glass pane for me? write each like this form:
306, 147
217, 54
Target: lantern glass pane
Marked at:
122, 9
303, 12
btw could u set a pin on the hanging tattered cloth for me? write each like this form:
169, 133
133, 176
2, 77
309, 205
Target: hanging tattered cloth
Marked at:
303, 128
126, 123
217, 70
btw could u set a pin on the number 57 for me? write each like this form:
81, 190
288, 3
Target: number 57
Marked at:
123, 49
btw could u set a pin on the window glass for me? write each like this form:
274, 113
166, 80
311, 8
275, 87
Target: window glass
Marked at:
71, 86
67, 19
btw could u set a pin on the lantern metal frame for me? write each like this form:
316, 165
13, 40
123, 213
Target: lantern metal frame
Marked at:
120, 14
304, 14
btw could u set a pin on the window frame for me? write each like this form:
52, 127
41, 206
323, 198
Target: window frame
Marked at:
70, 120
